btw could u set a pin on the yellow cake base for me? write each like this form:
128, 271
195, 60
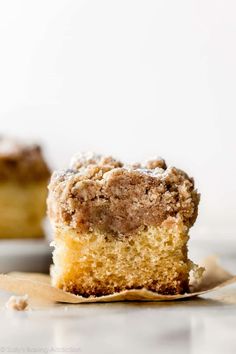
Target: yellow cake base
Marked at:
93, 263
22, 208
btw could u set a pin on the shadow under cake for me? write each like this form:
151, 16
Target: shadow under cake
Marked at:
121, 227
24, 177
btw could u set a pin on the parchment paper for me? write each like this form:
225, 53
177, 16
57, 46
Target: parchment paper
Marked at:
38, 286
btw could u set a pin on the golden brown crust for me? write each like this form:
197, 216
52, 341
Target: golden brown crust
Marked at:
103, 193
180, 287
22, 163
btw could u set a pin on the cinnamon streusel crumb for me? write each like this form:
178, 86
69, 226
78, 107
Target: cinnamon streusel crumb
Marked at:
21, 162
102, 192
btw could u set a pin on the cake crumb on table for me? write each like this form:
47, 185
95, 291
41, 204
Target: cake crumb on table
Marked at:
18, 303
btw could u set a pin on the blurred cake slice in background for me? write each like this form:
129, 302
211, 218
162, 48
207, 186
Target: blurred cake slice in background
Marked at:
24, 176
120, 227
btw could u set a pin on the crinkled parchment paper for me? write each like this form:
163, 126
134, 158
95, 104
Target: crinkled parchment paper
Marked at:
38, 286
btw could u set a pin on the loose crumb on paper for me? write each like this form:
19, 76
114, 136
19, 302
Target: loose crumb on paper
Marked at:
18, 303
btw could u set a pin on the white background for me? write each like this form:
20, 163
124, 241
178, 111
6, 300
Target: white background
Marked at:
129, 78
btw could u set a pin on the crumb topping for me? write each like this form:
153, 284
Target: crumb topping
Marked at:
21, 162
101, 192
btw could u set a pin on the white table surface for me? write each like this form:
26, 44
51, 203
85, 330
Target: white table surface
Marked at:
201, 325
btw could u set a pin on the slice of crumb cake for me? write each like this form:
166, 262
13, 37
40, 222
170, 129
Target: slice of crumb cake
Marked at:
121, 227
24, 176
